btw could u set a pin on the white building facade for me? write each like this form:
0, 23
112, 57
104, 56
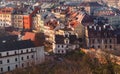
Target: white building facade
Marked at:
20, 58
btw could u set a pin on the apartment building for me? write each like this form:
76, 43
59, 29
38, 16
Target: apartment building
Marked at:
6, 16
19, 54
65, 42
101, 37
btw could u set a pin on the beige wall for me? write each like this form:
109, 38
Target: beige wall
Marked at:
18, 21
6, 20
38, 23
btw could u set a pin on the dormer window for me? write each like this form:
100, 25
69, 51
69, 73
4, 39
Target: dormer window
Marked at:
66, 34
66, 41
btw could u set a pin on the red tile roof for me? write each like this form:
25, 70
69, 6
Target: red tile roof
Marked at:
29, 35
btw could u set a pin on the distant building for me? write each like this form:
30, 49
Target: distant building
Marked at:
6, 16
100, 37
18, 21
38, 23
105, 11
19, 54
65, 42
90, 6
112, 3
112, 15
22, 17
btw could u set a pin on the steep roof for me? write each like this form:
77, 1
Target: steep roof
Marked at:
87, 19
100, 32
15, 45
59, 39
9, 38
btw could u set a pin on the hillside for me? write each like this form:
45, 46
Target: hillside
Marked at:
73, 63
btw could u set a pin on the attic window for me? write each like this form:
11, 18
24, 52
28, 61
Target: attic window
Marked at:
67, 41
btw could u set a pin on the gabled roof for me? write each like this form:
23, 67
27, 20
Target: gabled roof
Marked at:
87, 19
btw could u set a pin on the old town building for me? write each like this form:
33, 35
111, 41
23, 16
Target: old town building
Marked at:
19, 54
6, 16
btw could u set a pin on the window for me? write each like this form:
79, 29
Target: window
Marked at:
98, 46
1, 69
110, 41
31, 50
8, 68
67, 41
27, 50
22, 58
62, 51
58, 46
98, 40
21, 51
15, 52
0, 55
7, 53
93, 46
8, 61
62, 46
15, 59
110, 46
58, 51
27, 57
1, 62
